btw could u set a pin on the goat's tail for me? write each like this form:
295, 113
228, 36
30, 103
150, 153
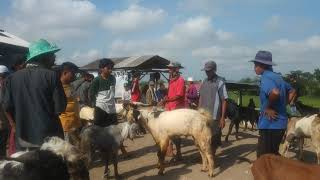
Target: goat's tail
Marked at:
207, 115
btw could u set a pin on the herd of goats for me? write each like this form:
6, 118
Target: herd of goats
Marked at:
58, 159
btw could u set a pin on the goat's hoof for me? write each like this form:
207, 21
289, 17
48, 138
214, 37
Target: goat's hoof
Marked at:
160, 173
204, 169
210, 174
158, 166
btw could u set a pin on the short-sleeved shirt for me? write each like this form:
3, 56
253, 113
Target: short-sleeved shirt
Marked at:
103, 92
176, 88
212, 94
269, 81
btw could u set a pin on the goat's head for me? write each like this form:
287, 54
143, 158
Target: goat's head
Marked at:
75, 160
131, 112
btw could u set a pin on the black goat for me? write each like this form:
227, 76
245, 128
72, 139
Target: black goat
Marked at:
237, 114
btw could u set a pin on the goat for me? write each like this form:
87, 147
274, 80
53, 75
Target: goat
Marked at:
236, 114
306, 127
107, 140
56, 159
273, 167
180, 122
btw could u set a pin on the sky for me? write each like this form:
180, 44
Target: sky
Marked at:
229, 32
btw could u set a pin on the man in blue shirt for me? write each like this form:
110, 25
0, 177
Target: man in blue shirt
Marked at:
275, 94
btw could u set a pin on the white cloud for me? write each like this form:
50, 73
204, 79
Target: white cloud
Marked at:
289, 55
132, 19
193, 33
55, 20
224, 53
222, 35
82, 58
273, 23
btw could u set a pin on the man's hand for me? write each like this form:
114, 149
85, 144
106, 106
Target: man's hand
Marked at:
271, 114
222, 123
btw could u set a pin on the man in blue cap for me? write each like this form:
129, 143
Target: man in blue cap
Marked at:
34, 97
275, 93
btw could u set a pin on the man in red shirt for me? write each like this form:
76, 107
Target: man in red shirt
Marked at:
175, 100
135, 91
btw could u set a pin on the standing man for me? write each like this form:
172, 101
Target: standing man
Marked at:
102, 92
151, 97
34, 97
275, 93
4, 124
213, 96
135, 90
192, 95
70, 117
175, 100
81, 89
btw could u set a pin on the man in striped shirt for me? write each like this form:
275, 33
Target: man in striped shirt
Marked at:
213, 95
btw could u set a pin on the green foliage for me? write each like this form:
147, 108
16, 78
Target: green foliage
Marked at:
307, 83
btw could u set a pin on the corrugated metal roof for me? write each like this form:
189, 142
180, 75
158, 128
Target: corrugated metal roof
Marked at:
146, 62
133, 61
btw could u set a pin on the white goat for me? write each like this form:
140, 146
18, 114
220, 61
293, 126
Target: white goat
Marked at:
181, 122
300, 128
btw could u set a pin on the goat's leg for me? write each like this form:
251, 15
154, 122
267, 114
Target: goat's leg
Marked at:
115, 165
106, 161
210, 155
245, 125
284, 149
237, 129
177, 142
316, 144
301, 142
203, 156
229, 131
124, 151
252, 124
162, 154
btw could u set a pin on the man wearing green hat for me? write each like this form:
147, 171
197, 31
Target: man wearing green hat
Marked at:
35, 97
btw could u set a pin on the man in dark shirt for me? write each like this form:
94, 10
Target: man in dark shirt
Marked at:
34, 97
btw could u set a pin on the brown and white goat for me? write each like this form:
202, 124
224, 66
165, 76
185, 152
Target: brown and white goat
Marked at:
273, 167
300, 128
181, 122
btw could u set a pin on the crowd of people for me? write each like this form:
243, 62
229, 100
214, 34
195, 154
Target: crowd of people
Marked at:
39, 99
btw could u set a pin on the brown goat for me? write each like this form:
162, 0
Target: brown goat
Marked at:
272, 167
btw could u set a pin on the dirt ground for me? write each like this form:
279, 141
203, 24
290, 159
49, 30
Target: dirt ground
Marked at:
232, 160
